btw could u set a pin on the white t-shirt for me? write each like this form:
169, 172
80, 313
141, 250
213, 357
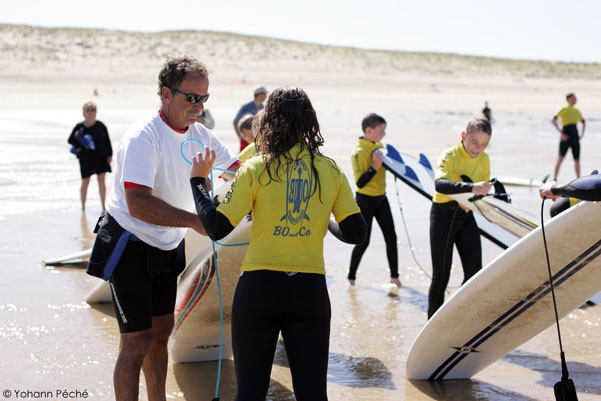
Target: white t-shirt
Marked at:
149, 154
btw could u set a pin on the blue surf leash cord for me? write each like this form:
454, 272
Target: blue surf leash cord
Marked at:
564, 367
398, 198
181, 149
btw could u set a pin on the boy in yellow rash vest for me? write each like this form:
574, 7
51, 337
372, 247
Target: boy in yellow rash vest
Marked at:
370, 178
450, 222
569, 116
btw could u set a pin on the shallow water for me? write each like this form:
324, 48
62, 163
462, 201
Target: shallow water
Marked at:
51, 340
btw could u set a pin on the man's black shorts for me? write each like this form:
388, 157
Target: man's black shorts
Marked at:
144, 284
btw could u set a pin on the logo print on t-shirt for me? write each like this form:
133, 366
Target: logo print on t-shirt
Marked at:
299, 181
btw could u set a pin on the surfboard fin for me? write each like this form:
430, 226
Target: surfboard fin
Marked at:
500, 192
423, 160
393, 153
411, 174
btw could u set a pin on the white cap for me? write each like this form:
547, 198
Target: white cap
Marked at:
260, 89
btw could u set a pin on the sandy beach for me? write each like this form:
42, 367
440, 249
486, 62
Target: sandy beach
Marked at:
51, 340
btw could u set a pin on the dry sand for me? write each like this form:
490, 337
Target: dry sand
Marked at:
51, 339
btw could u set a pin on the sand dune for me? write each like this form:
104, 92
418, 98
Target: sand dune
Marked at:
114, 50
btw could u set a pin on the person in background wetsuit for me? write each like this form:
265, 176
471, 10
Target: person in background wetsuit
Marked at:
487, 112
450, 222
291, 190
569, 116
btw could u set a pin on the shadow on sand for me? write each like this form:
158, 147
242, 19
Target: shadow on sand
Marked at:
403, 294
585, 377
197, 382
350, 371
464, 390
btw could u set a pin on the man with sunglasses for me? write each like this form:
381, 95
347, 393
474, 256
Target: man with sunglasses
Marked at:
151, 200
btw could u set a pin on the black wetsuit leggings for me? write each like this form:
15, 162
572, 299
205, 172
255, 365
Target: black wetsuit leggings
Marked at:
378, 207
266, 303
450, 225
573, 141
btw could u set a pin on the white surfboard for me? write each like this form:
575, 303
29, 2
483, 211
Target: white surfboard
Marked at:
517, 221
509, 301
522, 182
195, 336
419, 175
71, 258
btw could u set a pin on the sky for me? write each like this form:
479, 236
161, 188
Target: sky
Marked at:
567, 30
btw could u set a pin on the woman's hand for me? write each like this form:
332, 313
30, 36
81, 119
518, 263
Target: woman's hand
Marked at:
202, 164
482, 187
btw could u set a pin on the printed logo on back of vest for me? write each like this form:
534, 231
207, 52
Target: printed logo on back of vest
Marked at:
299, 180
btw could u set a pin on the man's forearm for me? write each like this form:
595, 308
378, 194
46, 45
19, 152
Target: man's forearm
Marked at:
153, 210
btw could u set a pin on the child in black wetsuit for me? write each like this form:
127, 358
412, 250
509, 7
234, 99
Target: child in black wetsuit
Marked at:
370, 178
450, 222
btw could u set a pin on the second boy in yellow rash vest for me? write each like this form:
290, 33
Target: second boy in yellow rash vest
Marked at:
370, 178
450, 222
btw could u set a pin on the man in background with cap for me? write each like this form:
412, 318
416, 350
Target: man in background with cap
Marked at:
252, 107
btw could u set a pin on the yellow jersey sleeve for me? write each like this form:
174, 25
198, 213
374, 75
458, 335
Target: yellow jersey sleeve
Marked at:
344, 204
362, 160
246, 153
446, 165
238, 201
360, 165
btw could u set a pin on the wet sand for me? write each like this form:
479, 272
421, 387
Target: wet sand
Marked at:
51, 340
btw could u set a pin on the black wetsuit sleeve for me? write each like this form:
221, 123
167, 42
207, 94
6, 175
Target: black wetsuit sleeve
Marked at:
109, 147
366, 177
445, 186
215, 224
351, 230
586, 188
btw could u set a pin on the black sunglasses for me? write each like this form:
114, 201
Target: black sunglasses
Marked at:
193, 98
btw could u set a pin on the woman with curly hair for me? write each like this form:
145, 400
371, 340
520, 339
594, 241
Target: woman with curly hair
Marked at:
291, 190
